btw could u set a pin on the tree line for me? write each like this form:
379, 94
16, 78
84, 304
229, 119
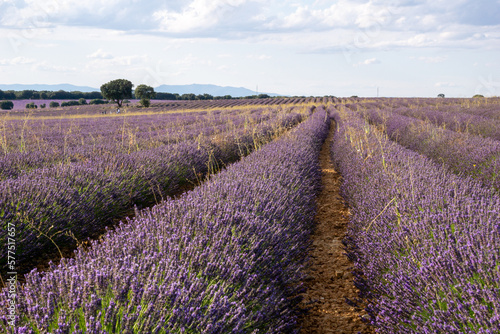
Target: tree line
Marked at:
48, 95
76, 95
115, 91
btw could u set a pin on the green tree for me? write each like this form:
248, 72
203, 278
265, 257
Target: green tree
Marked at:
145, 93
189, 96
6, 105
97, 101
117, 91
54, 104
27, 94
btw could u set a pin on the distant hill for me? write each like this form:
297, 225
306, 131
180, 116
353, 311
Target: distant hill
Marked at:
40, 87
213, 90
196, 89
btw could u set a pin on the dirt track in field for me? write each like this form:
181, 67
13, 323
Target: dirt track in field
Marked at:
330, 280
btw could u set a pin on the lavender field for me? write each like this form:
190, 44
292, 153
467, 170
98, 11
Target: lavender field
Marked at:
216, 206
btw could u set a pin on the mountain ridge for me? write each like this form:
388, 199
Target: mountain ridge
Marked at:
196, 89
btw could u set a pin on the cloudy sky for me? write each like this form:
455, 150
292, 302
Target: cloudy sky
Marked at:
299, 47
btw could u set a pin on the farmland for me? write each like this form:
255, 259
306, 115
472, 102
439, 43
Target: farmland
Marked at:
198, 216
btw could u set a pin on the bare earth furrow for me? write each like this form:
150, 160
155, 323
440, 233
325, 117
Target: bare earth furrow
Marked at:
330, 280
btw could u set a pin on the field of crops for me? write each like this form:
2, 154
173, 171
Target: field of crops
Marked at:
156, 106
217, 204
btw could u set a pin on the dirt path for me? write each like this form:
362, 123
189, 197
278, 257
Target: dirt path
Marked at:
330, 280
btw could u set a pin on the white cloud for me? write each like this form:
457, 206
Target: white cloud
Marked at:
100, 54
201, 14
243, 18
45, 66
420, 40
230, 41
370, 61
259, 57
341, 14
16, 61
436, 59
108, 60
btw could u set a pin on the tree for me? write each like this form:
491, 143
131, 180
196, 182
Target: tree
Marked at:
9, 95
54, 104
6, 105
145, 93
27, 94
70, 103
204, 97
117, 91
60, 95
82, 101
167, 96
189, 97
97, 101
441, 95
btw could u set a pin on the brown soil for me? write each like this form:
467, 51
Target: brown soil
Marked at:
330, 280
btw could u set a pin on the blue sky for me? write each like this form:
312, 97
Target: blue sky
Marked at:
342, 48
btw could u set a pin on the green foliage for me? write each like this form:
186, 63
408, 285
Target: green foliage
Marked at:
167, 96
43, 105
27, 94
82, 101
478, 96
70, 103
6, 105
189, 96
54, 104
9, 95
117, 90
31, 105
145, 92
204, 97
98, 101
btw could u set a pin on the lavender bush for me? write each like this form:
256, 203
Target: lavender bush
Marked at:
425, 242
51, 207
223, 258
455, 120
463, 153
31, 143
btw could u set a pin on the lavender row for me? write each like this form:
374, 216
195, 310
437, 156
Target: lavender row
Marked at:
489, 107
425, 242
224, 258
465, 154
455, 121
48, 143
58, 205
